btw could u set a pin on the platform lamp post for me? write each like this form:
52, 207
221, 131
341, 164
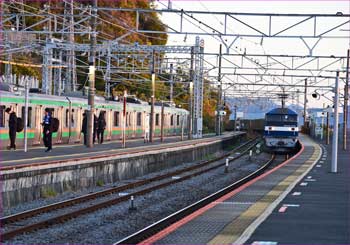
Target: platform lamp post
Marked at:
91, 93
334, 166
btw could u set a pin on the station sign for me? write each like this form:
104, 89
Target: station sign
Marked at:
221, 113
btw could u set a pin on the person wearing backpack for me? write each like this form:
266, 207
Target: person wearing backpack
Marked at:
101, 126
12, 128
84, 128
47, 130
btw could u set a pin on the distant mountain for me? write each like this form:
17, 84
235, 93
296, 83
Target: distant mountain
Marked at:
255, 108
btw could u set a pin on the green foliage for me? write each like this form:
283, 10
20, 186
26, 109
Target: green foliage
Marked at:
100, 183
47, 192
116, 24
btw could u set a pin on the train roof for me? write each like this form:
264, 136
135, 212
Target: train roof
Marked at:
100, 102
278, 111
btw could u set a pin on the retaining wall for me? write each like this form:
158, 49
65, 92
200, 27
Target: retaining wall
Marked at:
29, 184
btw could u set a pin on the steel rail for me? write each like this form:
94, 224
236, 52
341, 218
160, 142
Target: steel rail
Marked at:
62, 218
165, 222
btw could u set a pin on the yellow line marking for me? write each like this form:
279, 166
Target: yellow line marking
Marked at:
235, 229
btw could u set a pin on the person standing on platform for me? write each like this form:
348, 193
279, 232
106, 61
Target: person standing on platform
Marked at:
12, 128
146, 136
101, 127
84, 128
95, 128
47, 131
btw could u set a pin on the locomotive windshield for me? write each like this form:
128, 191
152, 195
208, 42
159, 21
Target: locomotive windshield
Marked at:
281, 118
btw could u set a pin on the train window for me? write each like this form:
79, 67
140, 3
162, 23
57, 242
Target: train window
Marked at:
67, 118
116, 119
178, 120
273, 118
29, 124
2, 116
290, 118
157, 119
172, 120
139, 116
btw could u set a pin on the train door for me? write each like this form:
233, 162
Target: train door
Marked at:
109, 124
78, 124
38, 114
134, 124
59, 115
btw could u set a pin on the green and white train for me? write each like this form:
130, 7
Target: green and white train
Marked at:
63, 108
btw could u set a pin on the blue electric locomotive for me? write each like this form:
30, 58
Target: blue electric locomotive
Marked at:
281, 130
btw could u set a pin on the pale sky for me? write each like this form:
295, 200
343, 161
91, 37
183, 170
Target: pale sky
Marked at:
337, 47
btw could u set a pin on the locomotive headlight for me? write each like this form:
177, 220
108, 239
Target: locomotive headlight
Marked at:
293, 129
270, 128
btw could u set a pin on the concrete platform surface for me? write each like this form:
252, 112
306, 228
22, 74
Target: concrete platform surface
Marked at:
38, 155
317, 212
236, 215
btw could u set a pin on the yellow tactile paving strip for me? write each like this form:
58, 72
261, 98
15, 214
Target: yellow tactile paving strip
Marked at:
235, 229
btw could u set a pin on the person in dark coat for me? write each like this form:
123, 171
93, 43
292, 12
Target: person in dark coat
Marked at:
84, 128
101, 127
47, 130
95, 128
12, 128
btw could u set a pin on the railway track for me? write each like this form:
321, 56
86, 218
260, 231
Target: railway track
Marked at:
20, 217
151, 230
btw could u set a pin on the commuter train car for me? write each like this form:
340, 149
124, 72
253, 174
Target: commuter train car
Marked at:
281, 130
69, 111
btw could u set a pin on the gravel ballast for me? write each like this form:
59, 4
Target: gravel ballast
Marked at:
111, 224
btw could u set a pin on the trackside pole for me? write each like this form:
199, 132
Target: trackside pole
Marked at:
124, 120
26, 116
334, 168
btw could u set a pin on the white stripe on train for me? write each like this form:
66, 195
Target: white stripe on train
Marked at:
274, 128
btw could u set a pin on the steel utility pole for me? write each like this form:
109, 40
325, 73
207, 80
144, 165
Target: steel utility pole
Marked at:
162, 123
91, 94
152, 98
218, 106
235, 124
305, 102
346, 99
26, 98
190, 120
171, 83
327, 130
125, 96
335, 127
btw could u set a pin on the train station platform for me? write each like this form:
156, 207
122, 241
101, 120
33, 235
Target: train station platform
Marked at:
316, 211
63, 153
299, 201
